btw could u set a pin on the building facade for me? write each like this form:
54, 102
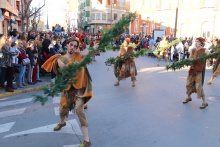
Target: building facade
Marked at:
9, 19
95, 15
194, 17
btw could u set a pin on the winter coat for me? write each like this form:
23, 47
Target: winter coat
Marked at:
7, 56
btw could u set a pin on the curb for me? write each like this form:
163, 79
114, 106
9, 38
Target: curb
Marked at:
22, 91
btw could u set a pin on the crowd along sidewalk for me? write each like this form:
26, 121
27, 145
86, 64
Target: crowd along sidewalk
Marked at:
46, 81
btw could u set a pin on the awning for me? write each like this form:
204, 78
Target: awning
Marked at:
85, 24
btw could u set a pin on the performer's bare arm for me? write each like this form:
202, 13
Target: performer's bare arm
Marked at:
61, 64
190, 56
84, 53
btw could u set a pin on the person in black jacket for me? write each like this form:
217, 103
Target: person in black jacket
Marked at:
30, 48
46, 44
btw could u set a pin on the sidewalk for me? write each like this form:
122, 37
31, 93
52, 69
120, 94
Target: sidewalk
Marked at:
46, 80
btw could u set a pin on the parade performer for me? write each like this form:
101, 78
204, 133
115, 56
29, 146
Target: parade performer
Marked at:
126, 68
195, 78
92, 44
216, 67
75, 96
164, 53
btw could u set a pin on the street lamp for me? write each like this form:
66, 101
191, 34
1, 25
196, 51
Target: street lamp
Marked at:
144, 25
176, 19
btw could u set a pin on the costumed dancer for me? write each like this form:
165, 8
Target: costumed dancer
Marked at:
195, 78
96, 45
75, 96
216, 67
163, 43
126, 68
91, 44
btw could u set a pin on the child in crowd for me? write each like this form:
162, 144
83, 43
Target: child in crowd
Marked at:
13, 49
34, 74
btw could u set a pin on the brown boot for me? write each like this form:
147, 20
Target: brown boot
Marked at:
59, 126
85, 144
187, 100
204, 105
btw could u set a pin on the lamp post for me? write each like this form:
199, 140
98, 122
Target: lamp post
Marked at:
47, 21
111, 13
176, 18
144, 27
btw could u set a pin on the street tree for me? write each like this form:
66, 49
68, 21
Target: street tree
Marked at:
36, 18
28, 11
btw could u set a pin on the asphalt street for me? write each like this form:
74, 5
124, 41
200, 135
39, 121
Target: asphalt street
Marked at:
151, 114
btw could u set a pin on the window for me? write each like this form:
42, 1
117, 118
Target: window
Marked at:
174, 4
185, 3
136, 26
147, 4
209, 3
195, 3
123, 15
87, 2
121, 3
165, 5
109, 17
87, 13
18, 5
93, 16
115, 16
103, 16
97, 16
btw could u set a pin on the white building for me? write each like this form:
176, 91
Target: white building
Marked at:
95, 15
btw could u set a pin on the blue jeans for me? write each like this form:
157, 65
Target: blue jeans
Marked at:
21, 75
38, 73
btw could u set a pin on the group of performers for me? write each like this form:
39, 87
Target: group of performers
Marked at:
75, 96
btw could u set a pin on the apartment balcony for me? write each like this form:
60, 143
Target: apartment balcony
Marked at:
4, 4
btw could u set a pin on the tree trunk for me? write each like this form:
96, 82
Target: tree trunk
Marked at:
27, 25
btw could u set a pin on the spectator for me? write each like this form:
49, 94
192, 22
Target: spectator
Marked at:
3, 69
22, 68
46, 44
29, 51
9, 71
53, 50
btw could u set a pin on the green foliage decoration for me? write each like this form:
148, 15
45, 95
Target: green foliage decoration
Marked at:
187, 62
156, 52
67, 73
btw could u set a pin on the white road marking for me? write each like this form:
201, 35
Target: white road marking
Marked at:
56, 109
4, 99
12, 112
76, 145
15, 102
6, 127
72, 127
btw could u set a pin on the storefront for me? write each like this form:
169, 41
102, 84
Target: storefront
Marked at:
1, 22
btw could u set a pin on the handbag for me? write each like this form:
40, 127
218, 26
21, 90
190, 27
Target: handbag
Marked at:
26, 61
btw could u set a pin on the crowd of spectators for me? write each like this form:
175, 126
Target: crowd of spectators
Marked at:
16, 49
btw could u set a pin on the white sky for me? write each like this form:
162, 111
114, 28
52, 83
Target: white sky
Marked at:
55, 10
